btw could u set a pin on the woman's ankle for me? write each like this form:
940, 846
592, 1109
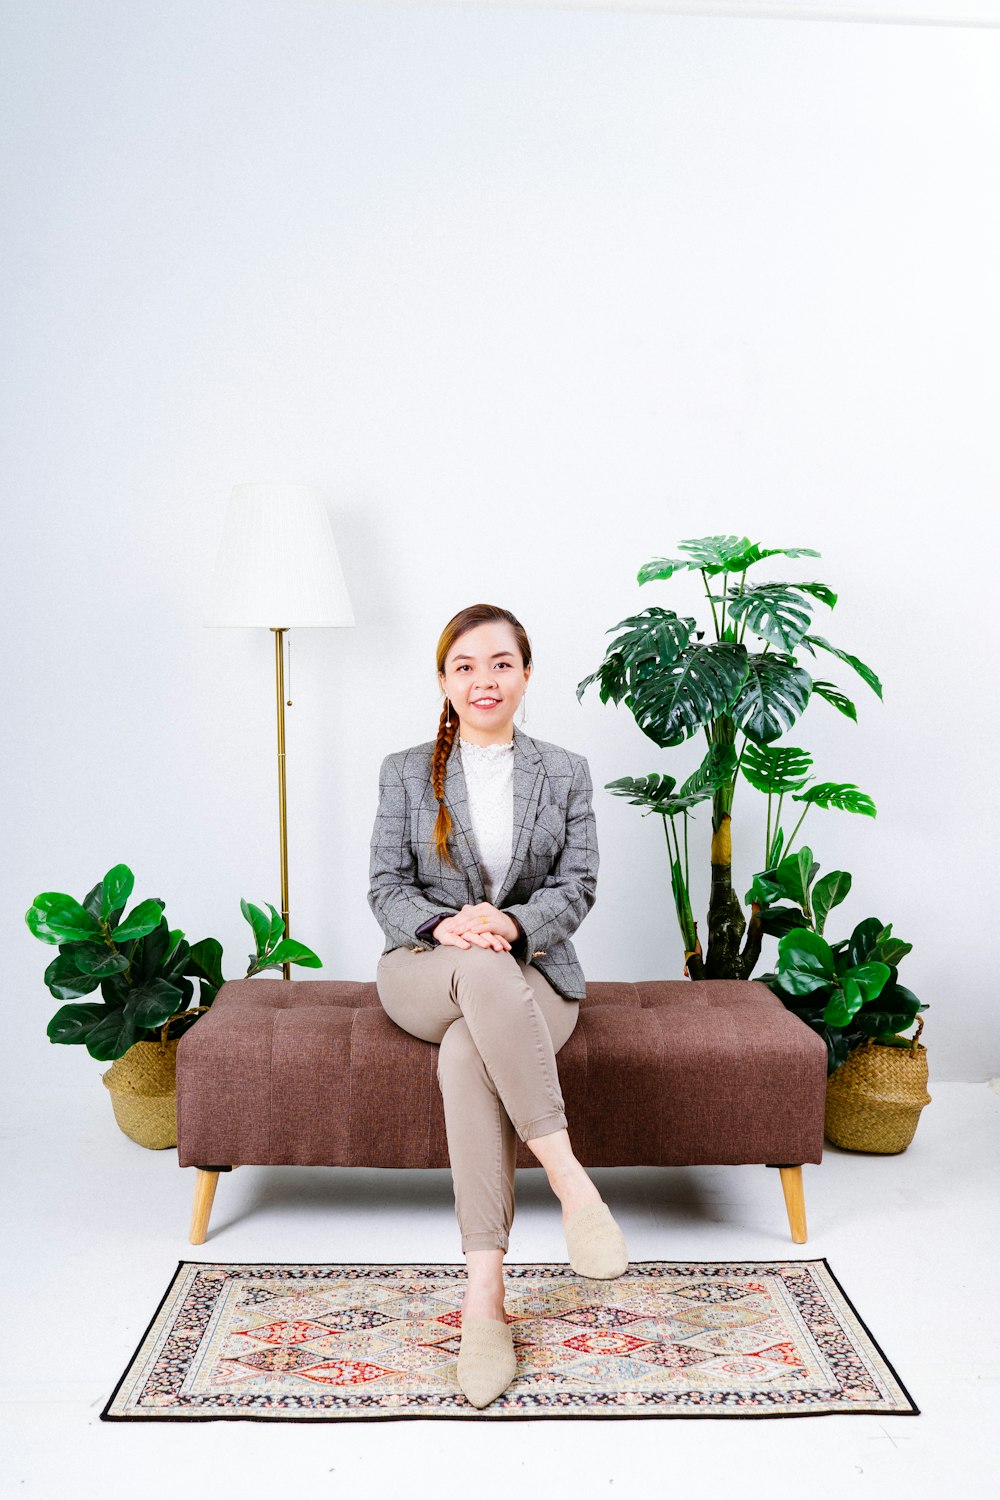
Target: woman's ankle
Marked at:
574, 1189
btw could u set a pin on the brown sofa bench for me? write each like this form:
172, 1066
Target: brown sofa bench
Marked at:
657, 1073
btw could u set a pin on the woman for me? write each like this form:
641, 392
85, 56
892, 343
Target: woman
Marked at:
483, 859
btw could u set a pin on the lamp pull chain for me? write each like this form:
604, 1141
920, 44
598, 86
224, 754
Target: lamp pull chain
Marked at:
288, 700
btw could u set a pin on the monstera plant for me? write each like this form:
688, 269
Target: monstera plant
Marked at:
144, 969
677, 683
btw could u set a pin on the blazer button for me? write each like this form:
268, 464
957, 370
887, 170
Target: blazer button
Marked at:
538, 953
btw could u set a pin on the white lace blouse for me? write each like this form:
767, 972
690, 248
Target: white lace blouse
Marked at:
489, 773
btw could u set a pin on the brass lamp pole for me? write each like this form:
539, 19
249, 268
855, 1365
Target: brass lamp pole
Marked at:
279, 677
278, 560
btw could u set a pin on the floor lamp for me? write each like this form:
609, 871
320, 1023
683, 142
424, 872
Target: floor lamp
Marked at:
277, 567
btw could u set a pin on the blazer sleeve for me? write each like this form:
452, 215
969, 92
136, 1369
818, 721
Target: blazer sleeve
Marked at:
557, 908
394, 895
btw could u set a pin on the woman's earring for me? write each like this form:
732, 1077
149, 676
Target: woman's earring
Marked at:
447, 724
523, 709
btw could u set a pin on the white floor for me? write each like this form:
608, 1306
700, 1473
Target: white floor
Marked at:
96, 1226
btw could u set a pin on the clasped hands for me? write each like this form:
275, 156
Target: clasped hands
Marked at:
466, 929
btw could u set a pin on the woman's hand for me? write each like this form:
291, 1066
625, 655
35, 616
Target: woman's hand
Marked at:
466, 929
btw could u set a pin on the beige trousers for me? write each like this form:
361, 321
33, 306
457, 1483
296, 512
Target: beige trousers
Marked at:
499, 1024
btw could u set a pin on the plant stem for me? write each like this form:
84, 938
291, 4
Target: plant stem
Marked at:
708, 593
797, 826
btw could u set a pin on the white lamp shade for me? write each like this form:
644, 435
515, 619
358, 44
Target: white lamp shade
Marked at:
277, 564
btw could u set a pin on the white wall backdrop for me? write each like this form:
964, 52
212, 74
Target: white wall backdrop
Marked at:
533, 295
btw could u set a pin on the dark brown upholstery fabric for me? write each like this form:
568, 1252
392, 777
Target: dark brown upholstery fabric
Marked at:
663, 1072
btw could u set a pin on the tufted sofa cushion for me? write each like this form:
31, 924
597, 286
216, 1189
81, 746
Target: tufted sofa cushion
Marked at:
656, 1073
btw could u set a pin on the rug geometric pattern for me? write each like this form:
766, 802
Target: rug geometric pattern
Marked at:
367, 1342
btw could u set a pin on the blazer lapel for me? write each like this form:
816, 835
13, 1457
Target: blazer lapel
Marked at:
527, 784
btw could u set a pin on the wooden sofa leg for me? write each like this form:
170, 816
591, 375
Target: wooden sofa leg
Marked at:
795, 1203
206, 1181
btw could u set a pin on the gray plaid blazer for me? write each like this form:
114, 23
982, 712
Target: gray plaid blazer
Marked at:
552, 880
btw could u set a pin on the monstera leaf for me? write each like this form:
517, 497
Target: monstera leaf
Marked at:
656, 791
864, 672
690, 692
773, 696
841, 794
832, 694
775, 769
774, 611
717, 554
652, 640
717, 769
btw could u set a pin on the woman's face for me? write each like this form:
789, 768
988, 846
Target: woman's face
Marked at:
484, 663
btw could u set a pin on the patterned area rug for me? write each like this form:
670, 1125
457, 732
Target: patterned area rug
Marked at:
281, 1343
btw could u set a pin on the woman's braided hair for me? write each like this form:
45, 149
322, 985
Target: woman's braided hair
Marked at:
466, 619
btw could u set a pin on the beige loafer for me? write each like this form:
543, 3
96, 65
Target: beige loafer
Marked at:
486, 1360
595, 1243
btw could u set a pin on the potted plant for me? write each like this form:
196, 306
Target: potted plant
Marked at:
145, 972
849, 993
676, 682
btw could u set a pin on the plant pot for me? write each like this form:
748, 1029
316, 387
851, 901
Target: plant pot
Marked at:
143, 1088
874, 1099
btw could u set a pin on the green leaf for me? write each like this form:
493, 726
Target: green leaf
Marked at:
113, 1035
718, 554
764, 889
777, 920
821, 591
890, 950
289, 951
805, 962
73, 1024
151, 953
656, 791
754, 554
843, 795
116, 888
662, 568
64, 980
57, 918
613, 679
843, 1004
868, 978
774, 694
774, 612
832, 694
682, 906
652, 642
828, 893
150, 1004
852, 661
896, 1009
260, 922
205, 962
863, 940
775, 769
794, 874
717, 769
690, 692
96, 959
277, 925
144, 919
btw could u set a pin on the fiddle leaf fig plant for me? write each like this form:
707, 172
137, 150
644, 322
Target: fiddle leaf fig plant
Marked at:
676, 683
144, 969
844, 991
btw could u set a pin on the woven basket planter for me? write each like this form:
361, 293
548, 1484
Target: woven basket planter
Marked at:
143, 1088
874, 1099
